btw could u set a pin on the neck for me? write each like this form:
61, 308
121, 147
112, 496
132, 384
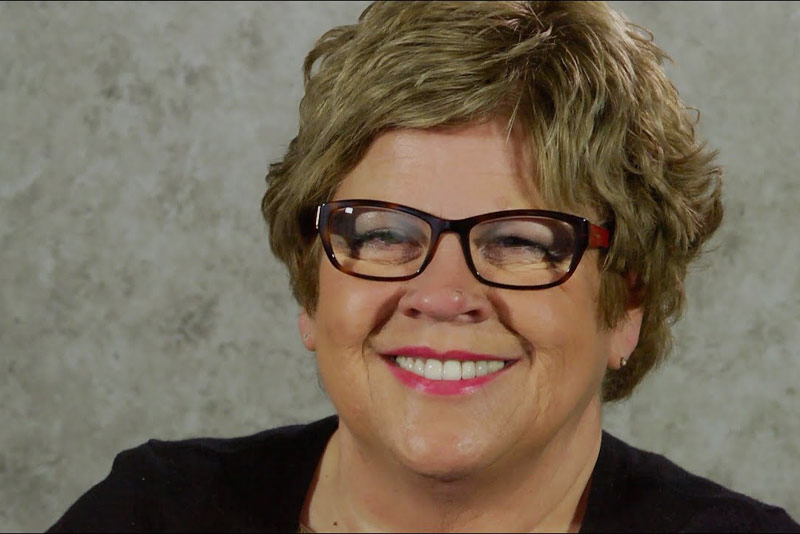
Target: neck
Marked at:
359, 490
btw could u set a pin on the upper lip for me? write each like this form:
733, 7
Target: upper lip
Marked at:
429, 353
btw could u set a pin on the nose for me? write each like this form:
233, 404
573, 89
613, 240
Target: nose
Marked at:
446, 290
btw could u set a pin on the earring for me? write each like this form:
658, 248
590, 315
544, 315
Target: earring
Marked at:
623, 362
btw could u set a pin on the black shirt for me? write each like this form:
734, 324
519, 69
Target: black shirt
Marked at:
258, 484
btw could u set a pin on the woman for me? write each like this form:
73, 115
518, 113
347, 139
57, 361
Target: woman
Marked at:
487, 216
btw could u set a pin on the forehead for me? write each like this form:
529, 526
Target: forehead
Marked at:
454, 172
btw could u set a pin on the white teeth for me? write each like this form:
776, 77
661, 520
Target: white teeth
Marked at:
468, 370
433, 369
495, 365
451, 370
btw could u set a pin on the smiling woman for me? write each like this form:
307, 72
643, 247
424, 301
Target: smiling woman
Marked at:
545, 352
487, 216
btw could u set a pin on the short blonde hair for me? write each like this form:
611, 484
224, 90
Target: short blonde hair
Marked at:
587, 89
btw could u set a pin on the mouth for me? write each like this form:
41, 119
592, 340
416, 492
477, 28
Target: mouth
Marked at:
436, 369
448, 373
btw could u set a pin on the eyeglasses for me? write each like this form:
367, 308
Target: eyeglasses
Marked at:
514, 249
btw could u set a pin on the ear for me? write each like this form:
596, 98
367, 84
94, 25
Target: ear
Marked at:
308, 329
625, 337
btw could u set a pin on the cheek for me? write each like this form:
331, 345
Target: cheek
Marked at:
344, 314
567, 349
551, 324
349, 310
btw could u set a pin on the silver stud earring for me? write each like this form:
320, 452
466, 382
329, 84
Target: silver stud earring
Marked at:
623, 362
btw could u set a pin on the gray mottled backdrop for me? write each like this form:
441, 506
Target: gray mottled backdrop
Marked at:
138, 298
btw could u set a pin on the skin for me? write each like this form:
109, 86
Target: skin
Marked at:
517, 454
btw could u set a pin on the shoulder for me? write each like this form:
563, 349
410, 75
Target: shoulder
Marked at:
251, 483
281, 449
635, 490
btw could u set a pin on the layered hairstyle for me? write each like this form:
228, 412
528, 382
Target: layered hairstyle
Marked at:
586, 89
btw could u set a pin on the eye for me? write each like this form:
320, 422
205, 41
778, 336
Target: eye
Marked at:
515, 248
524, 244
381, 237
385, 246
513, 241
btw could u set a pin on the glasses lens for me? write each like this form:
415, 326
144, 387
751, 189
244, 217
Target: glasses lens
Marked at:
523, 251
378, 242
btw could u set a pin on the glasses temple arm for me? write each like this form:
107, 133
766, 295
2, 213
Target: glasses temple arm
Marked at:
599, 237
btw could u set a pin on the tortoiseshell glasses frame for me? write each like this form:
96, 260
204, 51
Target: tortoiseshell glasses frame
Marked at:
584, 235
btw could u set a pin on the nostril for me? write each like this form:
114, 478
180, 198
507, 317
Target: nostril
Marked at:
413, 313
475, 314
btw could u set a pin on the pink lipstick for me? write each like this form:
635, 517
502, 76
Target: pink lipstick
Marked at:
406, 363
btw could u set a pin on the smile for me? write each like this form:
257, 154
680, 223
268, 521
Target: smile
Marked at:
452, 372
434, 369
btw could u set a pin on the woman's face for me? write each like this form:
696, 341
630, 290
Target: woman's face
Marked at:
557, 351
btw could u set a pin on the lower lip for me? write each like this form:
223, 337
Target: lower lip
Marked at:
442, 387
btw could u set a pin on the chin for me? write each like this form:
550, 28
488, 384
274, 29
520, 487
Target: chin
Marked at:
443, 457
